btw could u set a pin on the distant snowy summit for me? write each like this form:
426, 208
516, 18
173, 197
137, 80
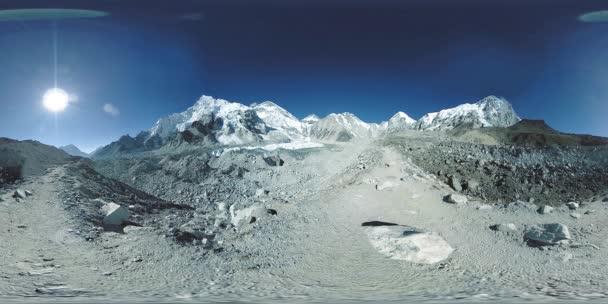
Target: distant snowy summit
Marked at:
221, 122
491, 111
74, 151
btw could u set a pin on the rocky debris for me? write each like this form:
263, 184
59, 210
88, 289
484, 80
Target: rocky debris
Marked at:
274, 161
505, 173
547, 234
605, 199
114, 214
19, 193
385, 185
575, 215
572, 205
409, 244
510, 227
546, 209
456, 199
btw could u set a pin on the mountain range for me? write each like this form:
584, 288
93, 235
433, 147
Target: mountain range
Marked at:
220, 122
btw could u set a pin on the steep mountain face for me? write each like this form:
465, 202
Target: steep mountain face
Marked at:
74, 151
342, 127
284, 126
488, 112
233, 123
400, 121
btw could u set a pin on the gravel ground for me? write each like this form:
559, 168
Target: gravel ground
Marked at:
312, 247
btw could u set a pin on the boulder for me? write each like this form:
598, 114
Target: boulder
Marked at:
572, 205
547, 234
456, 199
409, 244
455, 183
19, 194
274, 161
114, 214
546, 209
510, 227
261, 192
472, 185
247, 215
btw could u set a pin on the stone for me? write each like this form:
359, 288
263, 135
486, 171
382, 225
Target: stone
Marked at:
472, 185
547, 234
409, 244
455, 183
114, 214
575, 215
572, 205
456, 199
546, 209
247, 215
274, 161
261, 192
510, 227
28, 193
19, 194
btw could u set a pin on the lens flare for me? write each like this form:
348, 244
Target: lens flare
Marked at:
55, 100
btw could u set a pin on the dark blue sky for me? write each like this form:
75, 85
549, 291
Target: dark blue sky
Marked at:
372, 58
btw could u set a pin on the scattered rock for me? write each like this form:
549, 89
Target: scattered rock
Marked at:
19, 194
589, 211
575, 215
114, 214
572, 205
456, 199
547, 234
484, 207
546, 209
510, 227
409, 244
28, 193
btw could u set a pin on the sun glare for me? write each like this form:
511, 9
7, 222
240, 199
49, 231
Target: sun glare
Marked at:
55, 100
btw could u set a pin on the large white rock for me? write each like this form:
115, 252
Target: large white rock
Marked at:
456, 199
246, 215
547, 234
408, 244
114, 214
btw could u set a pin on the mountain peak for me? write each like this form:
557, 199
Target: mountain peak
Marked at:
491, 111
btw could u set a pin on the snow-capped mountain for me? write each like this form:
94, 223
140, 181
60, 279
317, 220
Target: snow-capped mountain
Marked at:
491, 111
73, 150
220, 122
230, 123
285, 127
400, 121
342, 127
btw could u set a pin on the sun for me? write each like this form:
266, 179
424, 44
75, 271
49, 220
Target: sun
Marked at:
55, 100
